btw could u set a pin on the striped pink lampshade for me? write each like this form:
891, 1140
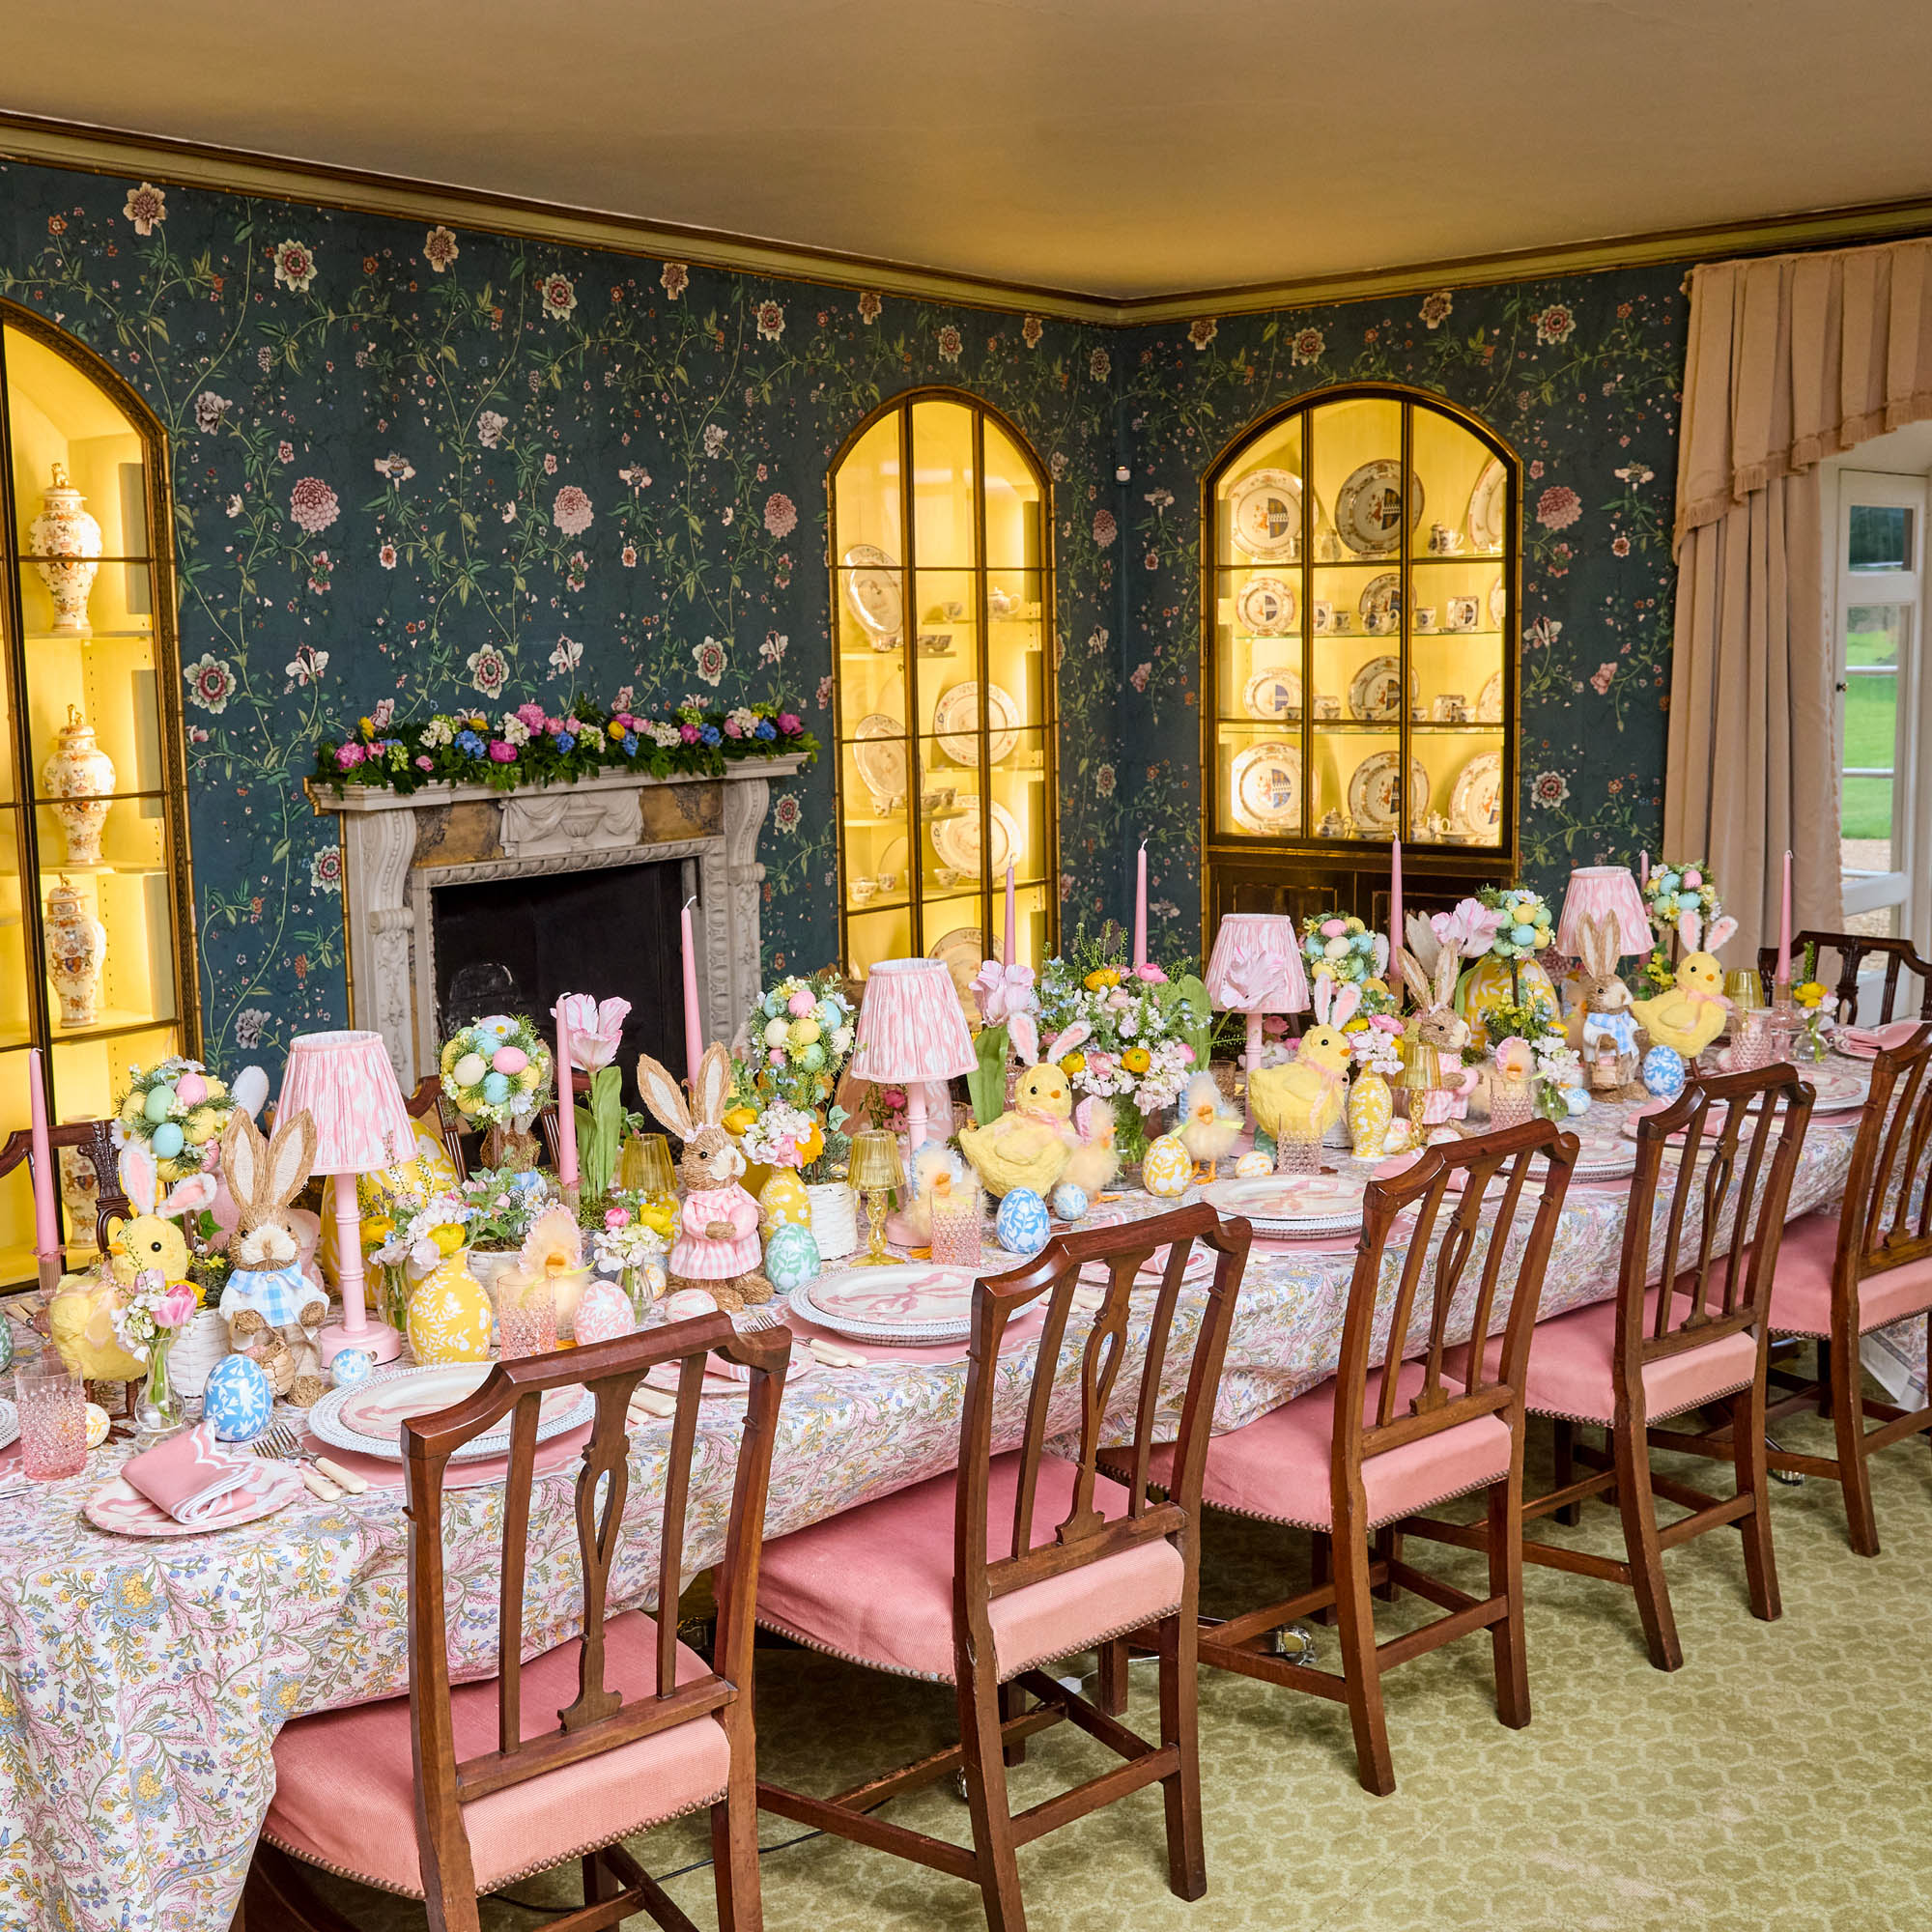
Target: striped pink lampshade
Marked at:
911, 1025
348, 1088
1597, 890
1256, 965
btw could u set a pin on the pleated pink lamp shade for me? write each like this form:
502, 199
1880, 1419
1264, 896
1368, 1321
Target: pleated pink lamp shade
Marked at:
1593, 891
1256, 968
912, 1031
347, 1086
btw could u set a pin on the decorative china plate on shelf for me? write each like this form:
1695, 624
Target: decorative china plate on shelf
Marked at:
1498, 603
1265, 514
1475, 801
908, 1302
872, 589
955, 723
957, 840
1371, 793
1266, 606
369, 1416
1490, 700
1374, 692
1380, 602
1267, 787
1291, 1204
1486, 507
961, 952
1367, 513
1273, 694
879, 756
123, 1510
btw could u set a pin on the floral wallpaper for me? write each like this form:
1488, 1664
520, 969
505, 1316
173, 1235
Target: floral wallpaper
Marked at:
1583, 377
416, 466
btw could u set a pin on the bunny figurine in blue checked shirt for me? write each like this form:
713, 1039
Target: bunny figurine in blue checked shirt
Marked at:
271, 1308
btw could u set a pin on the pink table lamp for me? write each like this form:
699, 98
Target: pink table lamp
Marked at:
912, 1034
1256, 968
346, 1085
1597, 890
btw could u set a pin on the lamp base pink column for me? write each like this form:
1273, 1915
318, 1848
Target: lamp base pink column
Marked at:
355, 1330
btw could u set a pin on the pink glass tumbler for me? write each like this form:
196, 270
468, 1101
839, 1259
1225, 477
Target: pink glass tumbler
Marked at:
52, 1402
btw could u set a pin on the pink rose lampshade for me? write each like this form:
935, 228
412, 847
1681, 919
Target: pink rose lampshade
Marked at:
1597, 890
1256, 968
347, 1086
912, 1032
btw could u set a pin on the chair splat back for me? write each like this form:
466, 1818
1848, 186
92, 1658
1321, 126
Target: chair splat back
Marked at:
1854, 948
427, 1103
1888, 1211
95, 1141
1118, 1326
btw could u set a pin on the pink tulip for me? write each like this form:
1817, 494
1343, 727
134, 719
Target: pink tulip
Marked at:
175, 1306
596, 1028
616, 1217
1002, 992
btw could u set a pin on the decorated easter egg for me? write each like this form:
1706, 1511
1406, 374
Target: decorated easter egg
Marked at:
1167, 1167
167, 1140
604, 1311
190, 1090
688, 1302
98, 1425
1021, 1225
469, 1069
509, 1060
791, 1257
1663, 1071
1069, 1201
1575, 1100
159, 1103
782, 1201
351, 1366
495, 1088
449, 1314
239, 1398
1253, 1165
6, 1345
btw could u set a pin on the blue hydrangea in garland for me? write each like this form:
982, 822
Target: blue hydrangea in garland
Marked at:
529, 746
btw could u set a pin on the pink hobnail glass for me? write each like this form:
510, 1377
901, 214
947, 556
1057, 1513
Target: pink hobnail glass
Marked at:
956, 1222
53, 1420
1297, 1154
1511, 1103
526, 1322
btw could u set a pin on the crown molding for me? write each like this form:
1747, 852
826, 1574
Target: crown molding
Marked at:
196, 164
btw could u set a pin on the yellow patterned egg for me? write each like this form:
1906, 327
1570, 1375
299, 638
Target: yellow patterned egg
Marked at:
98, 1425
1167, 1167
449, 1314
1253, 1165
783, 1202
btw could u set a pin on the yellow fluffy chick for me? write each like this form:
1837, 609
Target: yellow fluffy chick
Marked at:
1690, 1014
1095, 1161
80, 1319
146, 1242
1209, 1126
1029, 1144
932, 1165
1304, 1099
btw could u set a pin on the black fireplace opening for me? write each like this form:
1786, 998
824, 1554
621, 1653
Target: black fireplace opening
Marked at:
516, 945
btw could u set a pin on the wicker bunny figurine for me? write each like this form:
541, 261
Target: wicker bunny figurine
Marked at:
717, 1246
272, 1309
1606, 1026
1438, 1036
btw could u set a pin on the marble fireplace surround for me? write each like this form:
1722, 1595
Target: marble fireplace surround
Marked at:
396, 851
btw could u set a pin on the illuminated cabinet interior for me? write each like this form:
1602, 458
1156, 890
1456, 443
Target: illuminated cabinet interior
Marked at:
1359, 598
942, 596
95, 948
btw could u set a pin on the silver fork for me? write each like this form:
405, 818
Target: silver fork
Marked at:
749, 1320
325, 1480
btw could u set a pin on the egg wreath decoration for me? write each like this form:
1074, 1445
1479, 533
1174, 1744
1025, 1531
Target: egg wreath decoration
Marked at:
177, 1110
497, 1071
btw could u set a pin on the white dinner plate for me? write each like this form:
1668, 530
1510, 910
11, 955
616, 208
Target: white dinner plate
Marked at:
874, 592
1291, 1204
1264, 513
369, 1417
910, 1302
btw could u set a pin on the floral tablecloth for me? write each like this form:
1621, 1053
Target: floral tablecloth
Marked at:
142, 1683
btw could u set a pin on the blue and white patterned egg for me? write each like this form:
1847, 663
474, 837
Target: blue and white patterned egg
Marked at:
351, 1366
1663, 1071
791, 1257
238, 1399
1167, 1167
1575, 1100
1069, 1201
1022, 1226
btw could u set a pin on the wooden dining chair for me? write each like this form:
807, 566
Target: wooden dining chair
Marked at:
95, 1141
1840, 1275
1722, 1155
427, 1103
559, 1755
1854, 948
980, 1578
1411, 1433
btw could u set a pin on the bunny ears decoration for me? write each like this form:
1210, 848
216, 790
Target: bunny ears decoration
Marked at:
664, 1096
1435, 988
1697, 938
1335, 1004
263, 1175
141, 1184
1024, 1036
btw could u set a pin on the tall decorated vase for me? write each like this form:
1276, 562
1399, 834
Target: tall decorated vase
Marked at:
67, 547
1371, 1110
76, 953
450, 1318
80, 776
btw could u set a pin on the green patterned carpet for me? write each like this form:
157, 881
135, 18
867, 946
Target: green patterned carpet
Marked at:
1779, 1782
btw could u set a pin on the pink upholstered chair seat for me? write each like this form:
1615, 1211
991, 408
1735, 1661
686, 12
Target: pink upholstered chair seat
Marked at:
344, 1790
875, 1584
1278, 1467
1569, 1374
1801, 1291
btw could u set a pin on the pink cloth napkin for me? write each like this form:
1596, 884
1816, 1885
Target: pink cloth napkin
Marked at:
189, 1475
1867, 1043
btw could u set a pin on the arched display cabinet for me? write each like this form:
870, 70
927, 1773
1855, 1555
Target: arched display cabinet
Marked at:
1360, 595
96, 941
943, 637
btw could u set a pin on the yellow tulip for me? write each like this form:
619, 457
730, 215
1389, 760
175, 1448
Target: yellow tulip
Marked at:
740, 1119
448, 1238
1134, 1060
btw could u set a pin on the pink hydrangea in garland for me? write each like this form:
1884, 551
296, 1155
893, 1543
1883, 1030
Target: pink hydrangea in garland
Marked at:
531, 746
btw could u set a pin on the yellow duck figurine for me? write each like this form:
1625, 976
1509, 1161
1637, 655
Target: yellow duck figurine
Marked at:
1690, 1014
1209, 1127
1030, 1144
1310, 1092
1095, 1162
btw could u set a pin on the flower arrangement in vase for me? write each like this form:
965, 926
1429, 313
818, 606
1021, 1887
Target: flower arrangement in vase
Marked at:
631, 1246
1531, 1047
505, 1203
146, 1324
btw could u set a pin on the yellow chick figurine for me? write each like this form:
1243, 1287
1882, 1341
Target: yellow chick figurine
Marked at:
1095, 1162
1690, 1014
1030, 1144
1309, 1092
80, 1319
1209, 1126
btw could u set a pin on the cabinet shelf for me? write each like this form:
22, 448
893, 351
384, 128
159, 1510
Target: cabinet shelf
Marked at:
113, 1021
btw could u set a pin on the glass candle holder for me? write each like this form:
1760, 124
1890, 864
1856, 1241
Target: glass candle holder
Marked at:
645, 1167
53, 1419
876, 1170
1750, 1040
959, 1214
1512, 1102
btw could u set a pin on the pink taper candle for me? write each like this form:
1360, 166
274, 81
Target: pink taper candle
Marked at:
1644, 867
46, 1224
1784, 925
1395, 912
1006, 942
694, 1026
566, 1105
1140, 910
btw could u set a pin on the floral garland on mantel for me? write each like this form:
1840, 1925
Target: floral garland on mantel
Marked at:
529, 746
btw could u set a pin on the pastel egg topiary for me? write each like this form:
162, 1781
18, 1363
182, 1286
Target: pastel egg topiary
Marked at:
1069, 1201
190, 1090
509, 1060
791, 1257
495, 1088
469, 1069
238, 1399
604, 1311
1022, 1226
159, 1103
166, 1140
351, 1366
1167, 1167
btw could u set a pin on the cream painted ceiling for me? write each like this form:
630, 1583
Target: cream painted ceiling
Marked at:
1121, 147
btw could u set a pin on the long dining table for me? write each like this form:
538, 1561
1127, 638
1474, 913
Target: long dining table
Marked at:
142, 1682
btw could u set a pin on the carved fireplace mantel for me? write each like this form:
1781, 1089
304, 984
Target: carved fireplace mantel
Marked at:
396, 851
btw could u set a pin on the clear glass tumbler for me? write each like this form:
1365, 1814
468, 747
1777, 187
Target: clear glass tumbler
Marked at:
525, 1319
53, 1419
956, 1220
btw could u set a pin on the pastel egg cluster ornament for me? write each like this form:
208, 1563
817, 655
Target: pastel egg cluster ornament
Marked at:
1022, 1226
1167, 1167
449, 1314
604, 1311
350, 1367
238, 1399
1663, 1071
791, 1257
1069, 1201
1254, 1165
